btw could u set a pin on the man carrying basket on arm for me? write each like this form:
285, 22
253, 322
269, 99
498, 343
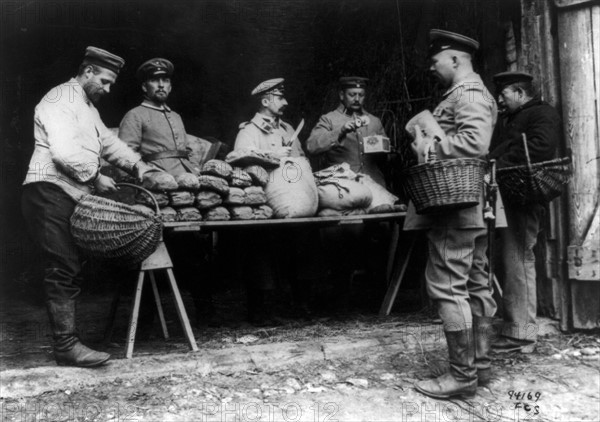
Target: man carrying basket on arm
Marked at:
524, 114
456, 276
70, 139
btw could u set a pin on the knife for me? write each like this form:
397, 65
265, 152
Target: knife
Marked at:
295, 135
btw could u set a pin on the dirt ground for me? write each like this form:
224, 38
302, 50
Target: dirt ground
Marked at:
354, 367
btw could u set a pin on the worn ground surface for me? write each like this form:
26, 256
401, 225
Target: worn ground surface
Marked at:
352, 368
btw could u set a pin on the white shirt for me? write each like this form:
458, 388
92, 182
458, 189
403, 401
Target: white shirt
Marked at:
70, 139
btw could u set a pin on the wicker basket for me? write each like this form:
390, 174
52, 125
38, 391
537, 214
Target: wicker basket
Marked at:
534, 183
105, 228
444, 185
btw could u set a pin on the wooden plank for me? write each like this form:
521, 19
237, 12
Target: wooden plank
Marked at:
285, 222
578, 32
185, 322
133, 321
159, 308
402, 259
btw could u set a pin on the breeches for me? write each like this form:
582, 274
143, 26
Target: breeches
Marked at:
456, 276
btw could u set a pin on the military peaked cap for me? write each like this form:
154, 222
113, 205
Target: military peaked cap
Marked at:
441, 40
102, 58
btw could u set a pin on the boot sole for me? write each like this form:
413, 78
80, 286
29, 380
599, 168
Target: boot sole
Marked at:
467, 395
90, 365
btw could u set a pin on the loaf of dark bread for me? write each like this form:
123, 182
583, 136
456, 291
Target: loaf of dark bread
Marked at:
159, 181
214, 183
216, 214
260, 177
208, 199
217, 168
241, 212
188, 214
255, 195
262, 212
187, 181
236, 196
181, 199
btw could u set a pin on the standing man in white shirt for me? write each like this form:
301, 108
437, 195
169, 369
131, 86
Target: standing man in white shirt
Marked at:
70, 139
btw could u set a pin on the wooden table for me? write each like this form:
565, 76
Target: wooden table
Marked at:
398, 254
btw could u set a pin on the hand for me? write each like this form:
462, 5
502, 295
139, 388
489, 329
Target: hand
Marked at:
349, 126
105, 184
141, 168
283, 152
421, 145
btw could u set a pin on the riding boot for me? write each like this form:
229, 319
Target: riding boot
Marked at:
68, 350
484, 333
461, 379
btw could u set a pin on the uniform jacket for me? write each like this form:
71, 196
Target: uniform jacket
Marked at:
326, 139
70, 139
262, 133
541, 124
467, 115
149, 129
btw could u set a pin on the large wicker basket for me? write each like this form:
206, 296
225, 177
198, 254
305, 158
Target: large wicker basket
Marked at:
533, 183
108, 229
445, 185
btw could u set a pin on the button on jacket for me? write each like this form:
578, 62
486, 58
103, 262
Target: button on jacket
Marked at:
326, 138
70, 139
149, 129
541, 124
467, 115
264, 133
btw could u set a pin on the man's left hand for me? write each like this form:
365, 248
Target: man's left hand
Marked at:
141, 168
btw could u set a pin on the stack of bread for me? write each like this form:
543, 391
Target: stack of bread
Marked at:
175, 195
221, 192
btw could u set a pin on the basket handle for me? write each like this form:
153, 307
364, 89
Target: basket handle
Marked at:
526, 151
147, 192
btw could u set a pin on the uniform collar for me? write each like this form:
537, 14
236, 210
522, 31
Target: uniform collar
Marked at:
265, 123
471, 77
343, 110
148, 104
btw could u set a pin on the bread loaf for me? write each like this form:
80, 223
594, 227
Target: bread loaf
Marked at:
181, 199
188, 214
208, 199
255, 195
262, 212
217, 168
240, 179
236, 196
161, 198
241, 212
187, 181
216, 214
159, 181
214, 183
168, 214
259, 176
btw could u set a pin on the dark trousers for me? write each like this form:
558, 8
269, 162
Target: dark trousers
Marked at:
47, 210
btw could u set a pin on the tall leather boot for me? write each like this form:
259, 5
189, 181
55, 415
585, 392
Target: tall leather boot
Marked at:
461, 379
484, 333
68, 350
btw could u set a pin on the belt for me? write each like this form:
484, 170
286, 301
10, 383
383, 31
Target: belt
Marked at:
174, 153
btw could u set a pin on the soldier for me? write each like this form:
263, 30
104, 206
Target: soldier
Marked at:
523, 113
152, 128
456, 274
70, 139
266, 131
339, 135
157, 132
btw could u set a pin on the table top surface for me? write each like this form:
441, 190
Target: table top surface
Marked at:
287, 222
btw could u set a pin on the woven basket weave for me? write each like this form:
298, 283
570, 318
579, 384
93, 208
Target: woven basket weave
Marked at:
534, 183
105, 228
444, 185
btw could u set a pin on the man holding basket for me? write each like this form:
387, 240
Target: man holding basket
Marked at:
70, 139
526, 119
456, 274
